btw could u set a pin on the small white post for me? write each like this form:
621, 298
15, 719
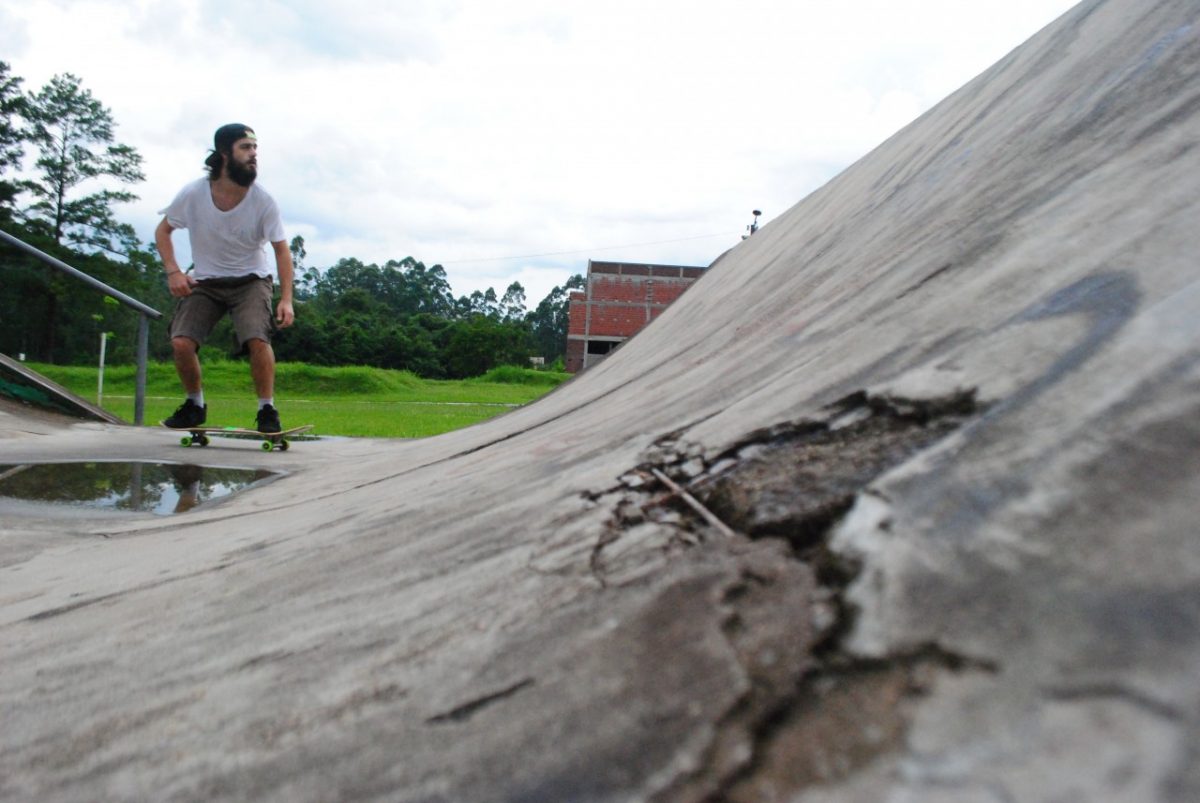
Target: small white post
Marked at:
100, 377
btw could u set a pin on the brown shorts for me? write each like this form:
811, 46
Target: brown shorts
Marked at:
248, 302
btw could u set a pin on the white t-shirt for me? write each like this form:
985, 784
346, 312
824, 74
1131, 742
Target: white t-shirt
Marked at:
226, 244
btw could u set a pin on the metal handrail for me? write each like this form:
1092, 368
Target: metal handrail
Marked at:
145, 314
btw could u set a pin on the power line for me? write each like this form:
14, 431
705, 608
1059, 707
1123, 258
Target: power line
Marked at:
588, 250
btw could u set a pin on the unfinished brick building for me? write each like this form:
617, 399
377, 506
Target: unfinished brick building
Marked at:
619, 299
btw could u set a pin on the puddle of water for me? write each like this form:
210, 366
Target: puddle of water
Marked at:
160, 488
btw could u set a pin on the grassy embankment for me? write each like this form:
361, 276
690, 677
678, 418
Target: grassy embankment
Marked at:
353, 400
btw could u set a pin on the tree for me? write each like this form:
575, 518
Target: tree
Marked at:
425, 289
549, 321
477, 345
73, 133
478, 303
298, 253
349, 273
12, 136
512, 305
305, 283
434, 288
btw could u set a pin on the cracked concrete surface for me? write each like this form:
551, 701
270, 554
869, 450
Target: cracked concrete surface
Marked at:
905, 600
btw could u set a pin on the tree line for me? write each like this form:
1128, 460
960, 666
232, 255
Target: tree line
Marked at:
62, 177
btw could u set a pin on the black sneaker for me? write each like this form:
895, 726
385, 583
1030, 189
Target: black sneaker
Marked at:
189, 414
268, 419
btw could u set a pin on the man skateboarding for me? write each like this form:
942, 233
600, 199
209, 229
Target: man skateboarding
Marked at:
229, 220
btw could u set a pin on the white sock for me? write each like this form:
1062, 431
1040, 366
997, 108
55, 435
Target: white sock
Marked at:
264, 402
197, 398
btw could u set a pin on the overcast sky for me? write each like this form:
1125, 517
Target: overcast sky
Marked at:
512, 141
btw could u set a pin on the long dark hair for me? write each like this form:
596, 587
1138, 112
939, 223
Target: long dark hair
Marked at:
214, 162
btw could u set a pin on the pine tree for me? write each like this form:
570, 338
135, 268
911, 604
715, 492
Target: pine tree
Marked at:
73, 133
12, 136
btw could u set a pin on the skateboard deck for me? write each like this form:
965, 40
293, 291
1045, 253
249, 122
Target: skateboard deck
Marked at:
270, 440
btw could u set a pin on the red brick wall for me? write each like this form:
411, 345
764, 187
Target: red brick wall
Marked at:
576, 314
614, 288
614, 320
620, 299
573, 362
664, 293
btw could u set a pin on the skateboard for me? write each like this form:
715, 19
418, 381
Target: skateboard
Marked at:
270, 440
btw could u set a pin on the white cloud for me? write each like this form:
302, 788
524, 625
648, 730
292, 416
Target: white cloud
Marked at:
452, 131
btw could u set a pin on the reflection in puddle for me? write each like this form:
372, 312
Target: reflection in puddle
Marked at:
161, 488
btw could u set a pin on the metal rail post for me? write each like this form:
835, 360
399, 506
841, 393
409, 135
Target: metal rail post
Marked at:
143, 347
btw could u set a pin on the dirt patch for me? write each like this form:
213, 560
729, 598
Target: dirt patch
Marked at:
796, 481
790, 483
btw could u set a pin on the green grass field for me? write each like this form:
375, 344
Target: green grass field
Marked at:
354, 401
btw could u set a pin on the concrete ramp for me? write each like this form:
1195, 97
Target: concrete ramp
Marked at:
19, 383
899, 502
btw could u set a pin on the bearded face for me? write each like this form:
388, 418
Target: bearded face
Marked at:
241, 173
241, 163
